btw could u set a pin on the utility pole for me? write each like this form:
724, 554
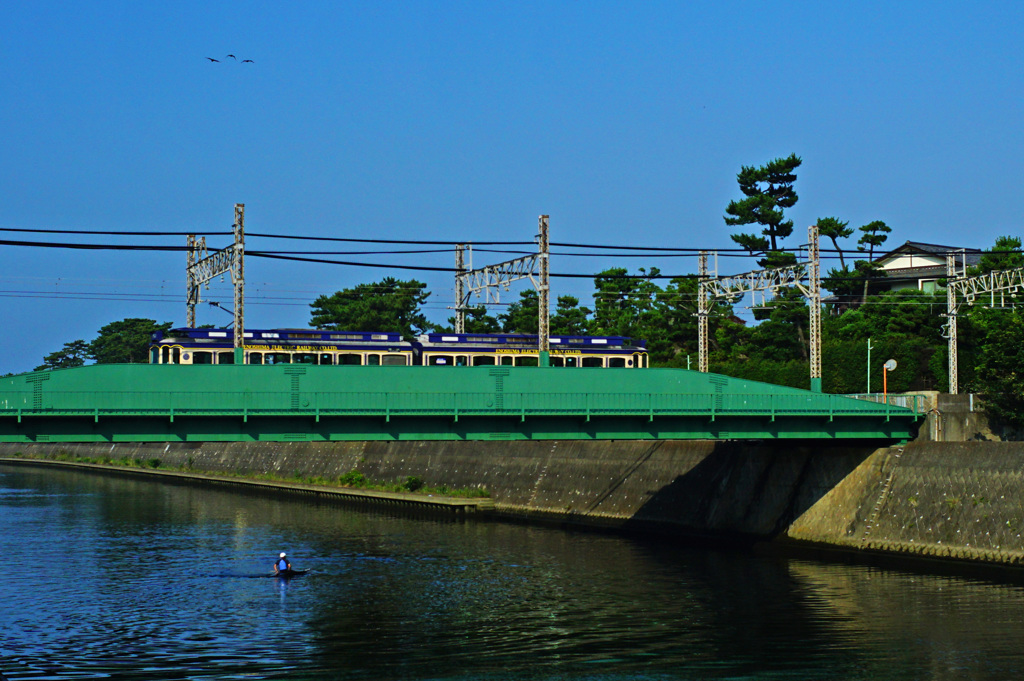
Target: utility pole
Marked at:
951, 310
238, 279
193, 295
703, 310
812, 291
460, 307
543, 344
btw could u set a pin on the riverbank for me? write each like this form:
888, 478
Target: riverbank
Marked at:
424, 500
937, 500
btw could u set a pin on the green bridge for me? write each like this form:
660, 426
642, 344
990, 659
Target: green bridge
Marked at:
228, 403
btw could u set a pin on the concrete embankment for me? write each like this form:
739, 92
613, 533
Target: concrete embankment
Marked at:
952, 501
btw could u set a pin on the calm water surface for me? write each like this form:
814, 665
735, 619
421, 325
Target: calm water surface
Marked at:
111, 577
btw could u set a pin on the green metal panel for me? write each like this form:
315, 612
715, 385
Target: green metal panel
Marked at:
292, 402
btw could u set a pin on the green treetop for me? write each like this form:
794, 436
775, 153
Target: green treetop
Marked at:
389, 305
126, 341
768, 191
521, 316
874, 235
1005, 255
73, 354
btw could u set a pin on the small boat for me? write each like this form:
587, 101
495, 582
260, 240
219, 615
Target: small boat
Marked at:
286, 574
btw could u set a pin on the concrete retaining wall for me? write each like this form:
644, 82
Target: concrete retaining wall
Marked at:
959, 500
947, 500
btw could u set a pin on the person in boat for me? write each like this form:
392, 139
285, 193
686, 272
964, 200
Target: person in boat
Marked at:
282, 564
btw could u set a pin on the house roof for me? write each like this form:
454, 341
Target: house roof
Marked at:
973, 255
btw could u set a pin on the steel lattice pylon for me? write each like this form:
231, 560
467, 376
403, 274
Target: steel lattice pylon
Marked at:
202, 267
489, 280
765, 281
961, 289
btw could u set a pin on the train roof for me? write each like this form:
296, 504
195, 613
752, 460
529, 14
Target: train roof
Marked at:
327, 335
529, 339
281, 334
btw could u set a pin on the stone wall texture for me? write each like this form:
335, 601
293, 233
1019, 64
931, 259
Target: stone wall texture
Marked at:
948, 500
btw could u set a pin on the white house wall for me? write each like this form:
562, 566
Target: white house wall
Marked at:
908, 260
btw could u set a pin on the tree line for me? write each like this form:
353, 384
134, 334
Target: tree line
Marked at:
905, 325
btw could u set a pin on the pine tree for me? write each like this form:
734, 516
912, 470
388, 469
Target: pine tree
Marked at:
769, 191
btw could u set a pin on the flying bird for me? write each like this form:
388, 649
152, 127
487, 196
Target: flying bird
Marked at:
248, 60
212, 59
233, 57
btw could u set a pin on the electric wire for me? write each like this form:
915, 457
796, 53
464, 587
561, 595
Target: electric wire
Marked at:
277, 255
561, 244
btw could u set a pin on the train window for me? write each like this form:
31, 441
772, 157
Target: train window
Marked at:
373, 359
593, 361
526, 361
278, 358
304, 358
461, 361
154, 356
167, 355
441, 360
255, 358
617, 362
225, 358
202, 357
350, 358
506, 360
394, 361
326, 358
176, 355
572, 361
557, 361
483, 361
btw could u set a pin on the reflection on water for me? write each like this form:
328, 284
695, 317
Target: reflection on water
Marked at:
113, 577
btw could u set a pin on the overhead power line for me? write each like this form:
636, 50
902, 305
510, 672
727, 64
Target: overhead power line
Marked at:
654, 250
107, 232
294, 256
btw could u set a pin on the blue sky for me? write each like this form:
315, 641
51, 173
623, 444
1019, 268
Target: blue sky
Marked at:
626, 122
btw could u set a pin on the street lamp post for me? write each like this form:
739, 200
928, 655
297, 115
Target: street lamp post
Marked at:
886, 368
869, 367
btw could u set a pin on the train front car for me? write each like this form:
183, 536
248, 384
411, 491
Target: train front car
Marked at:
282, 346
451, 349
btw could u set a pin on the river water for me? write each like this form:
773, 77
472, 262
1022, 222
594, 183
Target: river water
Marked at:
124, 578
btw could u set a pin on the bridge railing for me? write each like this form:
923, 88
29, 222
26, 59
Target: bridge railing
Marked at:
918, 403
445, 404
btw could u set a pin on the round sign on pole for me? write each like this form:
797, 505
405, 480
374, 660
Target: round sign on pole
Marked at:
890, 365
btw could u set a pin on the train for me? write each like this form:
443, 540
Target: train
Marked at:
341, 348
